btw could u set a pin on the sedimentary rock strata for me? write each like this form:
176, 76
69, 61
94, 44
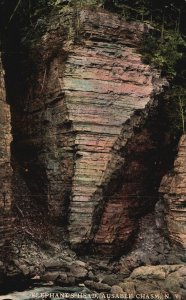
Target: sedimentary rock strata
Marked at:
173, 188
88, 93
104, 82
88, 130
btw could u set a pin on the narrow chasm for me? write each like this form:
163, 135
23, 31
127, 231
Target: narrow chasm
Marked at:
42, 157
40, 181
29, 174
91, 142
40, 128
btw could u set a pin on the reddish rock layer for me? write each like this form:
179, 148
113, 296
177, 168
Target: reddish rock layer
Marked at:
173, 188
105, 82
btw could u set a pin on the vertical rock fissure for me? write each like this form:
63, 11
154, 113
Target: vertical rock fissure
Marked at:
132, 190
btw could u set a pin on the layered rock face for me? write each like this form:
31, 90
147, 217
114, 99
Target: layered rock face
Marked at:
89, 92
173, 188
5, 168
106, 83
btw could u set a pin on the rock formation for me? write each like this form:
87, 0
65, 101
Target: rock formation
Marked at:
144, 279
173, 189
88, 155
87, 93
5, 168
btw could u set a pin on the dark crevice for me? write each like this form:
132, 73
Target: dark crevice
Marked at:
148, 156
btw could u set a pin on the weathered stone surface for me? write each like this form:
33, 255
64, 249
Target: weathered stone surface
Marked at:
51, 276
98, 286
173, 189
155, 272
116, 290
5, 168
80, 147
111, 279
79, 272
159, 280
72, 123
128, 287
112, 83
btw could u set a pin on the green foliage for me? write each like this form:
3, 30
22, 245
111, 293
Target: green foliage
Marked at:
164, 48
137, 10
176, 107
168, 55
164, 54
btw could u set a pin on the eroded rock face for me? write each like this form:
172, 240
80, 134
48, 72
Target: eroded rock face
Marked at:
173, 188
5, 168
88, 93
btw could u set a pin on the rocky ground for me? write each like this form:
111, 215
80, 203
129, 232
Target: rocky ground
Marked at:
152, 266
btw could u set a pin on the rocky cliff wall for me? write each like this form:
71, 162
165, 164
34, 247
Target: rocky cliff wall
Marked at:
79, 104
84, 108
107, 84
5, 168
90, 147
173, 189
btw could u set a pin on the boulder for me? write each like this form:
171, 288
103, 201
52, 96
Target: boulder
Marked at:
149, 272
116, 289
98, 286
